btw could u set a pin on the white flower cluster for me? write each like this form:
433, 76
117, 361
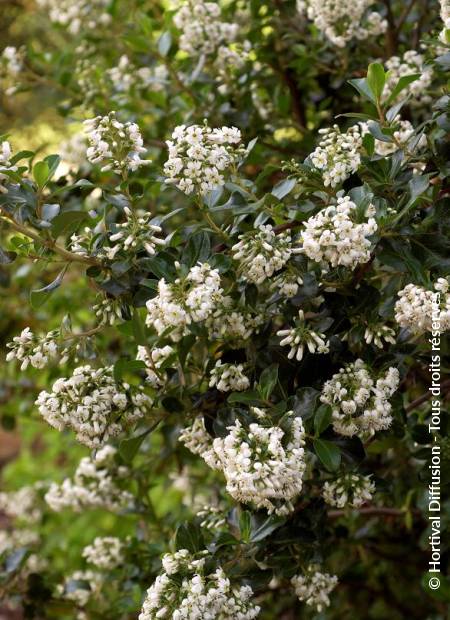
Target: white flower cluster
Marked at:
94, 485
418, 308
261, 252
229, 322
92, 404
105, 552
359, 404
212, 517
31, 349
77, 15
287, 284
118, 146
73, 152
153, 360
184, 592
378, 333
338, 154
263, 465
203, 32
108, 311
403, 132
22, 505
300, 336
199, 156
5, 164
445, 16
229, 377
334, 235
11, 65
80, 586
411, 62
187, 300
126, 77
17, 538
314, 587
348, 490
341, 21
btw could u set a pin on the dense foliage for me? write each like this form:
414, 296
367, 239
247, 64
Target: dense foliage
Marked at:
217, 301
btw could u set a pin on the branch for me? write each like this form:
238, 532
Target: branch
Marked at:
282, 227
445, 386
49, 244
380, 511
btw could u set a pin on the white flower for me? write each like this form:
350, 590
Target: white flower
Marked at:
418, 308
105, 553
11, 66
80, 586
5, 164
22, 504
203, 32
229, 378
338, 154
93, 405
335, 237
31, 349
300, 336
115, 145
262, 464
95, 485
348, 490
199, 596
191, 299
77, 15
200, 156
126, 77
261, 253
341, 21
359, 404
153, 360
314, 587
411, 62
378, 333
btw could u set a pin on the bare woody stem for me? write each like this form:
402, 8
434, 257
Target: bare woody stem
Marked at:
48, 243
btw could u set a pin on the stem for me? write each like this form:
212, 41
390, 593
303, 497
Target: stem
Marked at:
423, 399
49, 244
370, 510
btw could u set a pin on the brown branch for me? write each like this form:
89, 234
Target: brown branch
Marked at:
380, 511
48, 243
282, 227
404, 15
423, 399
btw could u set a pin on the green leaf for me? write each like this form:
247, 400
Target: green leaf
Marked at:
66, 222
128, 448
50, 211
403, 83
41, 173
249, 398
283, 188
263, 526
197, 249
189, 536
123, 366
245, 525
40, 296
268, 381
322, 419
376, 79
139, 334
164, 43
363, 88
328, 453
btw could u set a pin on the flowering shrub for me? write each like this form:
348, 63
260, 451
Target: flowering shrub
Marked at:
224, 296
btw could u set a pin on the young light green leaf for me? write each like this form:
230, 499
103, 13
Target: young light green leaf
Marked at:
376, 79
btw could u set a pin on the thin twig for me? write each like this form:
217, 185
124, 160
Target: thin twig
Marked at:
423, 399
